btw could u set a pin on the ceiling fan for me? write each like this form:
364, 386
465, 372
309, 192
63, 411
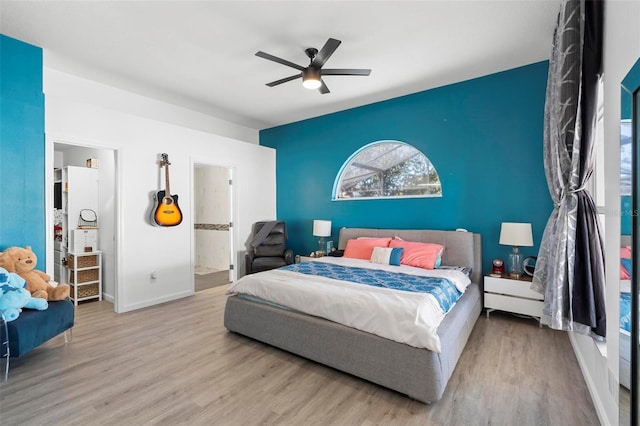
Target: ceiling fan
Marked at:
312, 75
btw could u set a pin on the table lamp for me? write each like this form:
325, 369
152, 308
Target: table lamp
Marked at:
322, 229
516, 235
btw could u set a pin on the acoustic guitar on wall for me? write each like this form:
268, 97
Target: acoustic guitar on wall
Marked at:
166, 212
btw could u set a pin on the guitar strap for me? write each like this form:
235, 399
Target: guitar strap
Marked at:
263, 233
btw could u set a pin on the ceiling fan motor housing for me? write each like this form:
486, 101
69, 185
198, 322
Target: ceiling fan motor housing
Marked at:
311, 77
311, 73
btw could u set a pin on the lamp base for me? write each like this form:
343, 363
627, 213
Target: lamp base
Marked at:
323, 247
514, 264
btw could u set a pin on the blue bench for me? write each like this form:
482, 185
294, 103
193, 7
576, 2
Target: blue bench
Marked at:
32, 328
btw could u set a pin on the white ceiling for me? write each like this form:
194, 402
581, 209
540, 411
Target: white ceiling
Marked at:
200, 54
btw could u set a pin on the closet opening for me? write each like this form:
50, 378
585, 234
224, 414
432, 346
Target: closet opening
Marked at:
82, 222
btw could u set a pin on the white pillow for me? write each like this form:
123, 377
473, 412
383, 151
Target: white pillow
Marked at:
386, 255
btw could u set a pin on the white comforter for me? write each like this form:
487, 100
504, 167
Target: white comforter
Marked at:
405, 317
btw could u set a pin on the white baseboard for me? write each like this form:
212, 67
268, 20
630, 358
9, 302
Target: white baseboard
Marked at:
151, 302
593, 390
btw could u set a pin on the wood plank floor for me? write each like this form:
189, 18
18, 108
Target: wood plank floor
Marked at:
214, 279
176, 364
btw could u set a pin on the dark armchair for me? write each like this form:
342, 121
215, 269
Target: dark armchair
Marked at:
267, 249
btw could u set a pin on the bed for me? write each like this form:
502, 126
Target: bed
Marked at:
625, 312
420, 373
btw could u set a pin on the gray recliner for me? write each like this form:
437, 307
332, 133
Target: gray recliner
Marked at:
268, 248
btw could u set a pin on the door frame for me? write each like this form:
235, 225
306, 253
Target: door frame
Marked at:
50, 141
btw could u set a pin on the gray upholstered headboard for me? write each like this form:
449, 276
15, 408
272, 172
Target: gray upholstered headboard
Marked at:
460, 248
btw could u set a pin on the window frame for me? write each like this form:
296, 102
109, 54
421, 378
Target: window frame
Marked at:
337, 184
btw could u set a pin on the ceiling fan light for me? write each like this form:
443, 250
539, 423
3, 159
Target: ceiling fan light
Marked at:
311, 78
311, 84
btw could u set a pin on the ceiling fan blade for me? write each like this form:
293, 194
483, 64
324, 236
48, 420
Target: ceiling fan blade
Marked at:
345, 71
325, 53
323, 88
279, 60
284, 80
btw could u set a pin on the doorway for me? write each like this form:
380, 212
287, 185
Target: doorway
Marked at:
213, 227
67, 156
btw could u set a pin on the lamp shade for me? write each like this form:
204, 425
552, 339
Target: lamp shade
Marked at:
516, 234
321, 228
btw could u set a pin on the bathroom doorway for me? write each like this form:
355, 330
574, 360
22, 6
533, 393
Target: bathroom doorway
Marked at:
213, 227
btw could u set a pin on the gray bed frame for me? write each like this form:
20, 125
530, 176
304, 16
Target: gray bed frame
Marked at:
419, 373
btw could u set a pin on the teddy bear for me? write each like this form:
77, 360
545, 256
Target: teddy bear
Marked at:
14, 296
23, 261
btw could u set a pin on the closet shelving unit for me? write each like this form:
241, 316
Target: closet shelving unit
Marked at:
80, 190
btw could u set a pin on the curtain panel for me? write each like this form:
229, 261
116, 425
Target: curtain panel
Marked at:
570, 266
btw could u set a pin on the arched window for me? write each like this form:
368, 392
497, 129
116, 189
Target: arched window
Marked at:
387, 169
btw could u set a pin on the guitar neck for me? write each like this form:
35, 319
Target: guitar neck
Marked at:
166, 180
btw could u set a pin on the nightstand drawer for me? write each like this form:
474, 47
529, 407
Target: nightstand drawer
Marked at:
512, 304
511, 288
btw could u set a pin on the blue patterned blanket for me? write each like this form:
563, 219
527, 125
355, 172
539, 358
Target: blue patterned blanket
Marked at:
625, 311
442, 289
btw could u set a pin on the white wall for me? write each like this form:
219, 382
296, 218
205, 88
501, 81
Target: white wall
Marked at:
212, 208
90, 92
621, 50
88, 113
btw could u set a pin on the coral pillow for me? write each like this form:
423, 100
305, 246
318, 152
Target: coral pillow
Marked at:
625, 263
362, 248
421, 255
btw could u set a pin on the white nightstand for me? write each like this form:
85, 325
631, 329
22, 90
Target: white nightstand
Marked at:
512, 295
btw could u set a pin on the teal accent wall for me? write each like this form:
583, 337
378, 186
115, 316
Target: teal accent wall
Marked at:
22, 147
484, 136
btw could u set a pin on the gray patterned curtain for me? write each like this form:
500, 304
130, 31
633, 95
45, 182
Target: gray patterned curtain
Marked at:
570, 265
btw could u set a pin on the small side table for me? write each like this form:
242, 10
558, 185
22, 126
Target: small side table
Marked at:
512, 295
